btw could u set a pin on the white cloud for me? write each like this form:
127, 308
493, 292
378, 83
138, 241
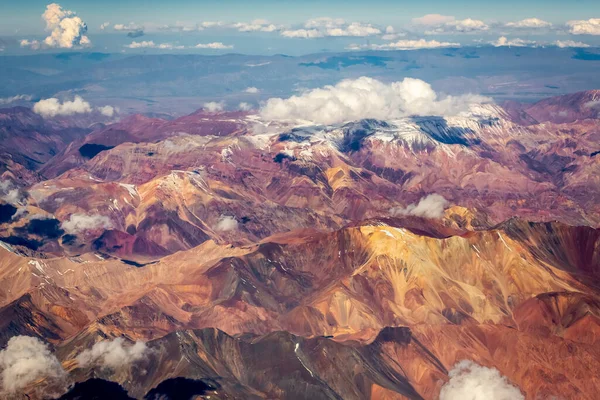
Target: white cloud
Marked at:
468, 25
66, 29
469, 380
569, 43
529, 23
104, 25
181, 27
405, 45
355, 29
226, 223
503, 41
79, 223
25, 360
585, 27
52, 107
365, 97
431, 206
151, 45
212, 24
214, 106
589, 104
252, 89
303, 33
113, 354
128, 27
213, 45
245, 106
32, 44
107, 111
324, 22
331, 27
19, 97
432, 20
258, 25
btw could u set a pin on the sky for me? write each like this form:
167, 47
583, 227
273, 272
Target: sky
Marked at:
292, 26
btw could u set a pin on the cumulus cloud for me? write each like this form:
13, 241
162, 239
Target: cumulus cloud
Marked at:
151, 45
331, 27
213, 106
584, 27
113, 354
245, 106
432, 20
53, 107
104, 25
405, 45
226, 223
252, 89
570, 43
431, 206
32, 44
354, 99
213, 45
79, 223
107, 111
529, 23
11, 194
128, 27
503, 41
25, 360
469, 380
258, 25
468, 25
19, 97
66, 29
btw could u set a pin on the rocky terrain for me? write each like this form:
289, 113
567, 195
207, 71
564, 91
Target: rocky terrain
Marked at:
223, 255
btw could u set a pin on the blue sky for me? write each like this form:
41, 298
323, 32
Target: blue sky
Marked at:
465, 23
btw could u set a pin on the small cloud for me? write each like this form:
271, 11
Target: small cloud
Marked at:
468, 25
32, 44
302, 33
534, 23
213, 45
245, 106
53, 107
570, 43
79, 223
252, 90
431, 206
584, 27
212, 24
25, 360
104, 25
226, 223
469, 380
107, 111
503, 41
432, 20
331, 27
213, 106
405, 45
258, 25
151, 45
113, 354
19, 97
135, 34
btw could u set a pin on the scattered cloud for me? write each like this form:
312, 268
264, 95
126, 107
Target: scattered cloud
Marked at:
104, 25
135, 34
243, 106
181, 27
469, 380
151, 45
529, 23
79, 223
214, 106
331, 27
570, 43
128, 27
11, 194
592, 104
468, 25
354, 99
212, 24
391, 34
53, 107
226, 223
107, 111
258, 25
252, 90
113, 354
66, 30
431, 206
19, 97
503, 41
405, 45
213, 45
432, 20
584, 27
25, 360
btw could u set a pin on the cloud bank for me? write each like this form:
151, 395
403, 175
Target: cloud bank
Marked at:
79, 223
25, 360
213, 106
213, 45
66, 29
503, 41
532, 23
113, 354
431, 206
584, 27
52, 107
354, 99
469, 380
